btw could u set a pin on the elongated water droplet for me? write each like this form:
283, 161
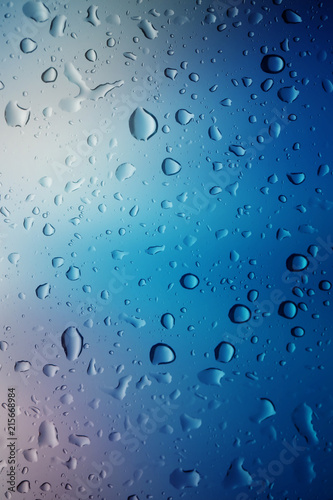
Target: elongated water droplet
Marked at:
72, 343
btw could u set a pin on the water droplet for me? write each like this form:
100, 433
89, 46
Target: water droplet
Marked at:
48, 230
183, 117
297, 262
325, 285
91, 55
48, 435
143, 125
162, 354
15, 115
23, 487
50, 75
72, 343
171, 166
148, 29
214, 133
57, 262
28, 45
171, 73
79, 440
31, 455
50, 370
327, 85
296, 178
58, 25
239, 313
224, 352
181, 479
272, 64
189, 281
194, 77
290, 17
43, 291
73, 273
237, 150
298, 331
14, 258
36, 11
267, 84
288, 94
92, 16
274, 130
287, 309
168, 321
211, 376
124, 171
22, 366
189, 423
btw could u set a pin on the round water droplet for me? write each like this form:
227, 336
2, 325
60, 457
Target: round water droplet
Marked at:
50, 75
162, 354
325, 285
91, 55
28, 45
239, 313
224, 352
189, 281
194, 77
253, 295
297, 262
183, 117
142, 124
272, 64
170, 166
287, 309
298, 331
73, 273
168, 321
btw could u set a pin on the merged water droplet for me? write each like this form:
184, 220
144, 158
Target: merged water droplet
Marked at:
72, 343
183, 117
148, 29
181, 479
143, 125
288, 94
37, 11
48, 435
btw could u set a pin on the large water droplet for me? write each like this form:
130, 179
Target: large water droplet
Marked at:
58, 25
15, 115
211, 376
148, 29
43, 291
170, 166
168, 321
50, 75
28, 45
272, 64
290, 17
239, 313
214, 133
36, 11
48, 230
73, 273
143, 125
181, 479
189, 281
79, 440
162, 354
224, 352
296, 178
125, 171
91, 55
183, 117
297, 262
48, 435
72, 343
22, 366
287, 309
288, 94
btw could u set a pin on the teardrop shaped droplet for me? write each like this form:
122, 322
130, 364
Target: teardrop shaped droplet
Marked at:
170, 166
73, 273
142, 124
168, 321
